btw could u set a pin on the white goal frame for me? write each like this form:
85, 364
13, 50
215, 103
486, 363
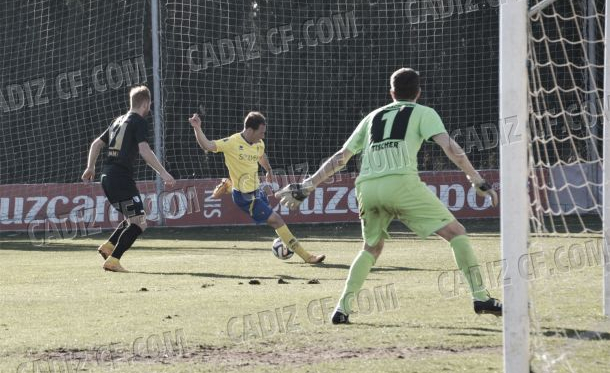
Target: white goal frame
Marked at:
514, 222
606, 165
513, 85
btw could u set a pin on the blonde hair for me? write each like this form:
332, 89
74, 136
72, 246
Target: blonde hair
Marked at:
138, 96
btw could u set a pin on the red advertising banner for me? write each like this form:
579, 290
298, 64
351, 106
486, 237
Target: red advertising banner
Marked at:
82, 206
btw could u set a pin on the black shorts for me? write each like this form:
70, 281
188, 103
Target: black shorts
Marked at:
123, 194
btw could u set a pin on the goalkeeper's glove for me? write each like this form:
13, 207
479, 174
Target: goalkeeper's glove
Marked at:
292, 195
223, 188
484, 189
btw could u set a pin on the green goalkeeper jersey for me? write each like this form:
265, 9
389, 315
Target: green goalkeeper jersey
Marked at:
390, 138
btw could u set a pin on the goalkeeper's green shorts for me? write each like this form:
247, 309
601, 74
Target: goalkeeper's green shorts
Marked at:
401, 197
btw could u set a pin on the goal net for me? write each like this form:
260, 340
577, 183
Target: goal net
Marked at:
564, 264
315, 69
66, 70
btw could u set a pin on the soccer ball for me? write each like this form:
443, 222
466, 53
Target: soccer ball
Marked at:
280, 250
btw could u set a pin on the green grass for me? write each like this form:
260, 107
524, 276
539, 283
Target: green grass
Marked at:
59, 307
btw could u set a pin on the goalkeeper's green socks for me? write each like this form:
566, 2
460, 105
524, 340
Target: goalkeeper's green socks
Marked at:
291, 242
361, 266
468, 264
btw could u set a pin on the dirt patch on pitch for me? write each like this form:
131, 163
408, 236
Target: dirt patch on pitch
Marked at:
309, 356
227, 357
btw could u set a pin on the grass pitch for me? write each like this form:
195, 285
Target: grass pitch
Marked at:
189, 306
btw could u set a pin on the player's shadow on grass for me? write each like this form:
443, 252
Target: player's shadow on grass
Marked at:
463, 331
378, 325
588, 335
63, 247
374, 269
469, 334
468, 328
219, 275
28, 246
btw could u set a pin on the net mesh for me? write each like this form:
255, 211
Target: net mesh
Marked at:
316, 68
564, 262
66, 70
67, 67
566, 118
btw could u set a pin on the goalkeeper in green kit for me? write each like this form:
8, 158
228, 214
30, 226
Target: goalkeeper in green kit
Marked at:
388, 187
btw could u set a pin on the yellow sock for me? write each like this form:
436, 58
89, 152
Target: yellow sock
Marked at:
291, 242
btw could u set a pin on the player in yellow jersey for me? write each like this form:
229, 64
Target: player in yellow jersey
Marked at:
243, 152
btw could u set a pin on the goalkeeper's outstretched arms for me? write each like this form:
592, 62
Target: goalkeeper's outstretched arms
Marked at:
203, 141
293, 194
457, 155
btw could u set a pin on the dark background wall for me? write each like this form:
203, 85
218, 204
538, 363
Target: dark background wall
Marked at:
313, 96
56, 94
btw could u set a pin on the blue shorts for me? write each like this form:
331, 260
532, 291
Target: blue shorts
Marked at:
256, 204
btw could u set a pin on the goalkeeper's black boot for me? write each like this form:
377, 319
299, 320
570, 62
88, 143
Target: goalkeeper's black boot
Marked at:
340, 318
491, 306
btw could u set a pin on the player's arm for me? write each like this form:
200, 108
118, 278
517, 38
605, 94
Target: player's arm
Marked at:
264, 162
151, 159
329, 168
353, 145
203, 141
94, 151
293, 194
457, 155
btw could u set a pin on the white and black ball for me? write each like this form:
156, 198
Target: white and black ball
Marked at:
280, 250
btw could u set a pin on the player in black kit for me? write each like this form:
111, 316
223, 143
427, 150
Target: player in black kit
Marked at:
125, 137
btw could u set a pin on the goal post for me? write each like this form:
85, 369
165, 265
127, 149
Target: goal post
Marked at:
513, 178
157, 94
606, 167
554, 88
